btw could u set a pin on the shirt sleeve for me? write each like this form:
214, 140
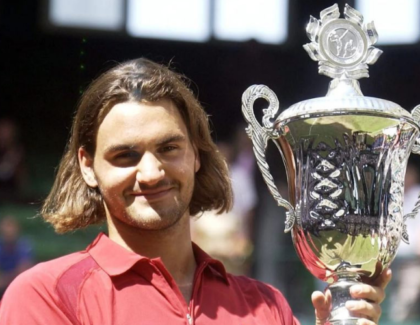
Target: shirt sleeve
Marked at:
282, 307
31, 300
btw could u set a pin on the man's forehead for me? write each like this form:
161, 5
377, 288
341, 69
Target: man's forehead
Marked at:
131, 123
143, 110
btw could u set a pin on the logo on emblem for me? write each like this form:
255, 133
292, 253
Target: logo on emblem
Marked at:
342, 43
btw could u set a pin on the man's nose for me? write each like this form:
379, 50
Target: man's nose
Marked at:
150, 169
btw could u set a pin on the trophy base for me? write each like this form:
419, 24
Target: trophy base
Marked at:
340, 293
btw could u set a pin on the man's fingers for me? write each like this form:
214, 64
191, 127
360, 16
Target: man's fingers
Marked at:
371, 311
367, 292
375, 291
368, 307
364, 321
383, 280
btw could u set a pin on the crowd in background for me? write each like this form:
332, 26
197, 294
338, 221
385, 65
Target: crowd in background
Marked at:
12, 161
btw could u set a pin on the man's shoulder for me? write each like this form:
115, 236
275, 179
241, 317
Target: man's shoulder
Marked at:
255, 287
264, 295
246, 281
47, 290
46, 274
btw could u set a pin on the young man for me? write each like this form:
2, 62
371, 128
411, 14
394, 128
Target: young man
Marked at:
141, 158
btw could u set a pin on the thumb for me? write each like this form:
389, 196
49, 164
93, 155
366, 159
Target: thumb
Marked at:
322, 304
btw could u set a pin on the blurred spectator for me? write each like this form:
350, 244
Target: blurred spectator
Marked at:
220, 237
242, 166
405, 300
15, 252
11, 161
228, 237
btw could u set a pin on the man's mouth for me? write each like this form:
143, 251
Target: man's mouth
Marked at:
153, 194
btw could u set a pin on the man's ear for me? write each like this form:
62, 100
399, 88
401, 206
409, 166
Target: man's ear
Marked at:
86, 167
197, 162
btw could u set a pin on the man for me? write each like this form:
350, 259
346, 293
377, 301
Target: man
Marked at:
141, 157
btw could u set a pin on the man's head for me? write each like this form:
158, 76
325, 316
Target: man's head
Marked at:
9, 229
73, 203
8, 134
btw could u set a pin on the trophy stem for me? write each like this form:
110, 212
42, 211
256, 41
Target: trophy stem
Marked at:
340, 293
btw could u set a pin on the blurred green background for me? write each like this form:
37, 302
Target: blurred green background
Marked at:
46, 243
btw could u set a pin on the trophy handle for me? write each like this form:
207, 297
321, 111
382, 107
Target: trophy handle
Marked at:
416, 150
260, 135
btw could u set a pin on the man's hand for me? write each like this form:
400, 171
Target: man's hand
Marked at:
369, 308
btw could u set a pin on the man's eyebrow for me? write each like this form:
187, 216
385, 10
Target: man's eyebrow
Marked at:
171, 138
119, 147
126, 147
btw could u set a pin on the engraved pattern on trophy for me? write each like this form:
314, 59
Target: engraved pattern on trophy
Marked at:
325, 206
260, 136
396, 198
415, 113
344, 181
416, 150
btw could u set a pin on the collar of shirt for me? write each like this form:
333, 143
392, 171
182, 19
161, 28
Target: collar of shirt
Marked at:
115, 259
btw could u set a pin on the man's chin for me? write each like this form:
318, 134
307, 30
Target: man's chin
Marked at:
153, 225
156, 221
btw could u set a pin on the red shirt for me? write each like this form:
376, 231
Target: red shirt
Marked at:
109, 285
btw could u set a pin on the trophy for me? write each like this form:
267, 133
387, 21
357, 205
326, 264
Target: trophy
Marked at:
345, 157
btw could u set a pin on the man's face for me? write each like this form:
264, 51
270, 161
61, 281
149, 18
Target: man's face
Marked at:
144, 165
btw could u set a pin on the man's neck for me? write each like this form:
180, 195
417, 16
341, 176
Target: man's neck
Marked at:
173, 246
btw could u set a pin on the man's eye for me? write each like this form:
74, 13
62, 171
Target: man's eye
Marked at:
127, 155
168, 148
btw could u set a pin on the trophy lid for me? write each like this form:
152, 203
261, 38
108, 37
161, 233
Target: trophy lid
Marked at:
343, 48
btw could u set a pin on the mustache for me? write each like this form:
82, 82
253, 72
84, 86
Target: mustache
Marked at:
160, 184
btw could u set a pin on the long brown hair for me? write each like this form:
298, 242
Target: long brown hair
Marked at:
72, 204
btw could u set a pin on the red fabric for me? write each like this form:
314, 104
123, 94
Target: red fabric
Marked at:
108, 285
69, 284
